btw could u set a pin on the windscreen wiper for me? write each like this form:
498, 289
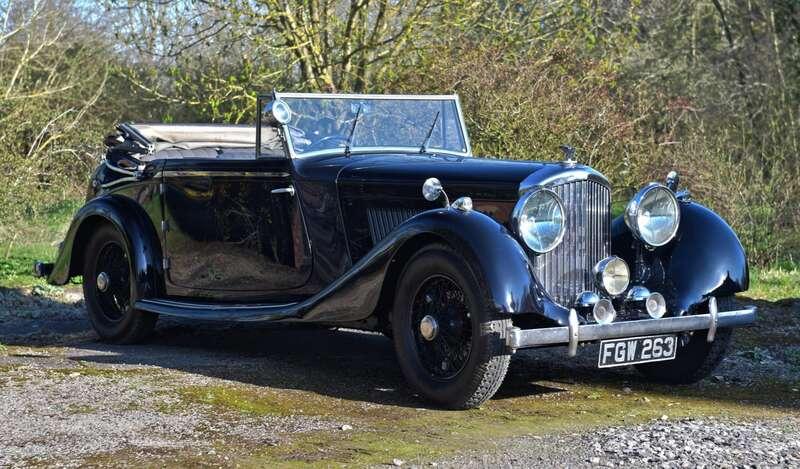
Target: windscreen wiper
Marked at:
423, 147
352, 132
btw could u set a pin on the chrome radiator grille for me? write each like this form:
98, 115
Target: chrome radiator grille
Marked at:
566, 271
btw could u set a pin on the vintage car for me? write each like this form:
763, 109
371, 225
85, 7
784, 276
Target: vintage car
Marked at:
370, 212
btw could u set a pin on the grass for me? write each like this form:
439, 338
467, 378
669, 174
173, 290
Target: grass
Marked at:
30, 240
774, 284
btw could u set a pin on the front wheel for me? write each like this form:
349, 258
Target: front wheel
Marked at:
449, 346
695, 359
107, 287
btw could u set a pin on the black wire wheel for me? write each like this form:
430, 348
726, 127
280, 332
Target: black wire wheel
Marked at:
107, 288
112, 284
449, 346
441, 326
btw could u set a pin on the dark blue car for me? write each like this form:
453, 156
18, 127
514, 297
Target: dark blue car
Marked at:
370, 212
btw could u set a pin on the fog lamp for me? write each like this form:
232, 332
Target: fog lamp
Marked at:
656, 305
604, 312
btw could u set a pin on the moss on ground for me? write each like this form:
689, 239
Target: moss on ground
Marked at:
238, 399
381, 433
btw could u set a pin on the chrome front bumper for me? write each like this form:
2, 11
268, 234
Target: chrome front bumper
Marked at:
574, 333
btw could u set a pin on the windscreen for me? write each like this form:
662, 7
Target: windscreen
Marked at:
326, 123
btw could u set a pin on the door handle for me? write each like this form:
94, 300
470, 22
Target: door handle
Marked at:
283, 190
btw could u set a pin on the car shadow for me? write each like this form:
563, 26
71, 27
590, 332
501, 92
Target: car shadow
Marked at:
343, 364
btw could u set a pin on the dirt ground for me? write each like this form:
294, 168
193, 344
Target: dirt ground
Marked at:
207, 394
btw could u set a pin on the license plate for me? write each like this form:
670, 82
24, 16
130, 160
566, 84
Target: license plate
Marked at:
619, 352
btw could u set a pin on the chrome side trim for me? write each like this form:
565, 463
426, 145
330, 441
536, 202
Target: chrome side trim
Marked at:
117, 169
220, 311
521, 338
207, 306
223, 173
119, 181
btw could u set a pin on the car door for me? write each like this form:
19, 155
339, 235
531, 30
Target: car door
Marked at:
233, 226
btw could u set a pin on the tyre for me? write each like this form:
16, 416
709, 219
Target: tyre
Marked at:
450, 348
695, 358
107, 290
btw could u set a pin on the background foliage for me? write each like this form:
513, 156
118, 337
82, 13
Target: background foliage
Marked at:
709, 87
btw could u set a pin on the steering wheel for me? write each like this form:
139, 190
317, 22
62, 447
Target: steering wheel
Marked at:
331, 141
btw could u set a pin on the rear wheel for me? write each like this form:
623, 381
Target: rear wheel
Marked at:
107, 287
695, 358
450, 348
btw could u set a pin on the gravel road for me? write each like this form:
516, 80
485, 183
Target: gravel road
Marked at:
661, 443
211, 394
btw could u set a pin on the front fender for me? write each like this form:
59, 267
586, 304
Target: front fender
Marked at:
705, 259
501, 265
144, 248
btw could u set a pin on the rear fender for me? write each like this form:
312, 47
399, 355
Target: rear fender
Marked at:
144, 248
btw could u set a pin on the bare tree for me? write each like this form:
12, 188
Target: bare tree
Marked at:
49, 81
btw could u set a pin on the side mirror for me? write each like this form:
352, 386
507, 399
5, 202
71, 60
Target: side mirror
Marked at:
432, 189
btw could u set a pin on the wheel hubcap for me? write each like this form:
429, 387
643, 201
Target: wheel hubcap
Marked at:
429, 328
102, 281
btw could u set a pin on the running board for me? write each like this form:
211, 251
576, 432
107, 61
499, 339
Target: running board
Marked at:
220, 311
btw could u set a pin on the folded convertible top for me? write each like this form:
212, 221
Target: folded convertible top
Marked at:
163, 137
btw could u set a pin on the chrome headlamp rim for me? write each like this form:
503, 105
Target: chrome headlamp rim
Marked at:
520, 206
631, 214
